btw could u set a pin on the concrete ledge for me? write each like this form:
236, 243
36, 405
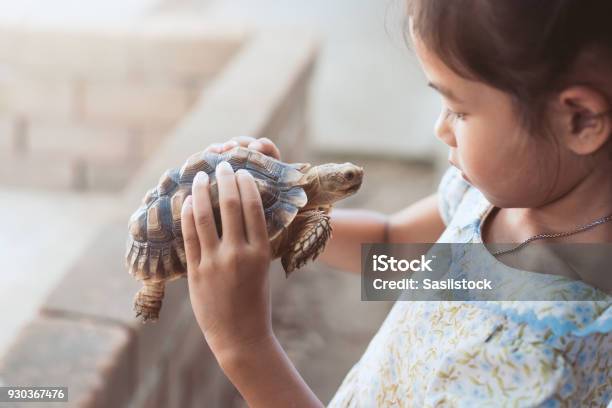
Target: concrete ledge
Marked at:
89, 358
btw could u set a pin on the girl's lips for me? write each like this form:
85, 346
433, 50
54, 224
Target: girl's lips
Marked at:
461, 171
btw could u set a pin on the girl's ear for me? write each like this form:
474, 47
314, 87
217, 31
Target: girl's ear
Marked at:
587, 119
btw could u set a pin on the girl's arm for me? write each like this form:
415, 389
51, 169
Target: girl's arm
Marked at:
419, 223
229, 290
265, 377
229, 285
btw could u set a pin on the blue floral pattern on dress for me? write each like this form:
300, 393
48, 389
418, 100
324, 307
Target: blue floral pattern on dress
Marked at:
486, 353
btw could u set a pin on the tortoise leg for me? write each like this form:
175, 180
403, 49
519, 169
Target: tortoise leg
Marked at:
148, 301
311, 231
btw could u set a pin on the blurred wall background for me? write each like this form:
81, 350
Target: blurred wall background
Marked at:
368, 94
98, 98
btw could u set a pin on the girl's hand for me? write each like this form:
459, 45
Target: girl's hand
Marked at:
230, 292
228, 276
263, 144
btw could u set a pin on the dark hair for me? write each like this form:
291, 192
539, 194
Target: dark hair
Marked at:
530, 49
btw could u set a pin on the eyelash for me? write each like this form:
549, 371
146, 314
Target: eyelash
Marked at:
453, 114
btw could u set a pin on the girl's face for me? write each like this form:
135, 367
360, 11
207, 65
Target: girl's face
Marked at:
488, 144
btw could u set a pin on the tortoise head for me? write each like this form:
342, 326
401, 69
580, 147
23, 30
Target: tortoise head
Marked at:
331, 182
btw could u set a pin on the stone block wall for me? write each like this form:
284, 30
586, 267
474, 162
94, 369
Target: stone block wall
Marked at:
82, 108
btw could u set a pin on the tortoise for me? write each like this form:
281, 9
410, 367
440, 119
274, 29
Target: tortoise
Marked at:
296, 198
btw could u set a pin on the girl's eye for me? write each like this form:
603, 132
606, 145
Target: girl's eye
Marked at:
453, 115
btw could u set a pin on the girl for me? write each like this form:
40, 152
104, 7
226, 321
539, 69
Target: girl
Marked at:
527, 95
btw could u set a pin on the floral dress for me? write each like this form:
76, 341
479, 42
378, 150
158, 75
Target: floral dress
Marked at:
485, 353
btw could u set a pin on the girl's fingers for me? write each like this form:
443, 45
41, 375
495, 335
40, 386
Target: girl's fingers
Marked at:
266, 146
237, 141
190, 235
203, 212
229, 203
254, 219
215, 148
263, 145
229, 145
243, 140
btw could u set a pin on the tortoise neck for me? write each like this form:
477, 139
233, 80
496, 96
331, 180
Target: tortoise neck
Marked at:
312, 187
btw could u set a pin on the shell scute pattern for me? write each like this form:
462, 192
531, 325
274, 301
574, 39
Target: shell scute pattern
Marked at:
176, 206
155, 249
195, 163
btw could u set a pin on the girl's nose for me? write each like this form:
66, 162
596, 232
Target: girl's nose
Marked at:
443, 131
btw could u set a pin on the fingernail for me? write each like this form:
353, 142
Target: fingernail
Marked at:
188, 202
256, 145
225, 167
231, 143
200, 178
244, 173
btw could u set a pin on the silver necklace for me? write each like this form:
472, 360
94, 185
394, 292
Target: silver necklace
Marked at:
556, 235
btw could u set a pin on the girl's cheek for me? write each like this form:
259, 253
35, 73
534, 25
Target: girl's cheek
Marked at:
474, 151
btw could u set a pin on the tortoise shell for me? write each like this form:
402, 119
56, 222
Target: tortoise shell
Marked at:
155, 248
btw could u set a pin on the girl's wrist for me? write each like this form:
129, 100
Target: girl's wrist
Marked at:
237, 354
265, 376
